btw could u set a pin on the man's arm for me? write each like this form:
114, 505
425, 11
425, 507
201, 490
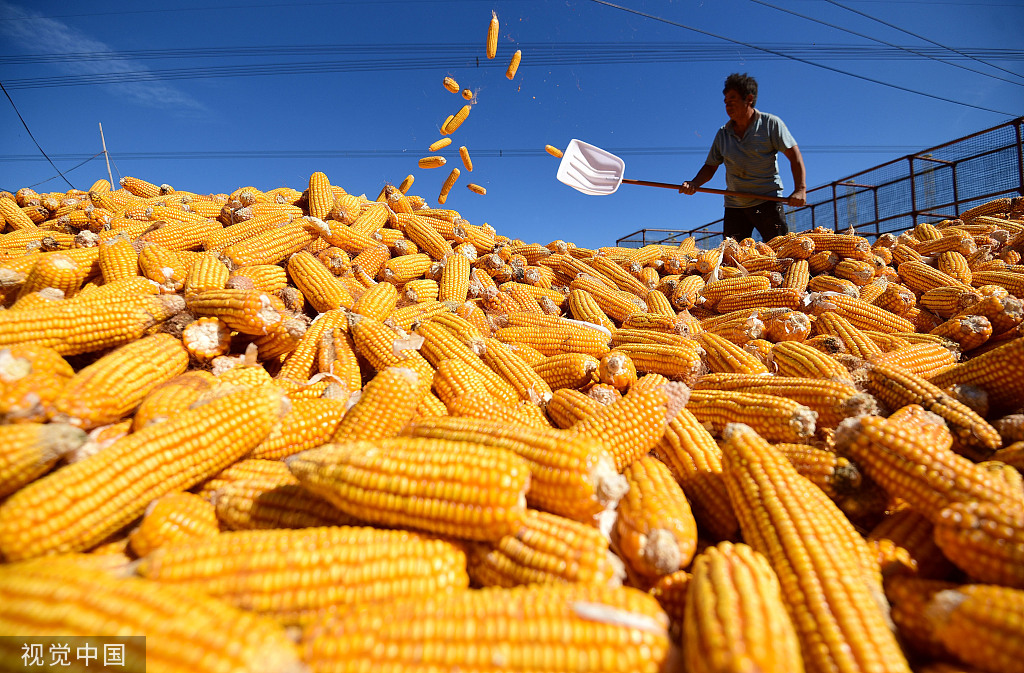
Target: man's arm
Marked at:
796, 163
705, 173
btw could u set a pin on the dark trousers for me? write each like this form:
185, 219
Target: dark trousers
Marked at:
768, 218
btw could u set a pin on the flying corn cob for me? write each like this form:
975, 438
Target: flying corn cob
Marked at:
513, 65
492, 35
447, 186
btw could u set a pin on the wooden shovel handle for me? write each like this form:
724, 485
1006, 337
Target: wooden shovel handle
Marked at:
706, 190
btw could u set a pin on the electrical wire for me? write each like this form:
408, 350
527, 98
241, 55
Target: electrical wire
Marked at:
29, 131
920, 37
691, 50
889, 44
802, 60
68, 170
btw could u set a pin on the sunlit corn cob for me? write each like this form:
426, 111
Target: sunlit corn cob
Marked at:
387, 403
29, 450
735, 616
787, 326
184, 631
827, 283
72, 327
458, 489
302, 362
678, 362
618, 304
118, 259
308, 424
569, 627
558, 336
776, 297
857, 343
632, 425
113, 386
454, 284
861, 314
967, 331
299, 575
57, 271
31, 378
173, 519
928, 476
897, 388
822, 563
547, 549
726, 357
513, 65
774, 418
318, 285
274, 245
572, 476
793, 358
553, 151
655, 531
492, 35
121, 480
527, 382
172, 397
996, 371
831, 400
838, 478
568, 370
923, 359
567, 407
583, 306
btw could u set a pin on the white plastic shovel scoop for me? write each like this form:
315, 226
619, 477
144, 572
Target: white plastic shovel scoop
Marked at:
592, 170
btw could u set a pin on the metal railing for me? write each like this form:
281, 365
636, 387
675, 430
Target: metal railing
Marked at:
933, 184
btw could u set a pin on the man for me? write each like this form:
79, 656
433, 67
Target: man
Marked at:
748, 145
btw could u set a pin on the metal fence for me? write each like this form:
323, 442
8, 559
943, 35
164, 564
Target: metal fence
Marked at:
934, 184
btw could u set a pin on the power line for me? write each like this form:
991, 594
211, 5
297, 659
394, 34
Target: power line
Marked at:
29, 131
868, 37
691, 50
920, 37
67, 171
802, 60
590, 56
395, 153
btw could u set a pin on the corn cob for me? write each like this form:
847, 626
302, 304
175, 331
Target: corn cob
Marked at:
923, 359
274, 245
735, 617
173, 519
31, 378
113, 386
826, 283
912, 534
680, 362
303, 362
896, 388
387, 403
172, 397
572, 476
775, 418
247, 311
71, 327
548, 549
726, 357
29, 450
796, 359
269, 499
184, 631
584, 307
995, 371
821, 561
308, 424
572, 628
568, 370
857, 343
156, 460
655, 531
832, 401
788, 326
296, 576
558, 336
632, 425
459, 489
568, 407
928, 476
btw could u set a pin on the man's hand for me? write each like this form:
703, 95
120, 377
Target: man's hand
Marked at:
688, 188
797, 198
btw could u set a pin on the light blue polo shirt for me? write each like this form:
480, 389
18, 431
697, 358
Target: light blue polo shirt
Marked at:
751, 162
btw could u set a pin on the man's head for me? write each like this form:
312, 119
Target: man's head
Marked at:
740, 95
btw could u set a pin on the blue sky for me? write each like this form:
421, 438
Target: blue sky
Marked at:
212, 96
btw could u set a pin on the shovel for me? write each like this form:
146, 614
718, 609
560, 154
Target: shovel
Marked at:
597, 172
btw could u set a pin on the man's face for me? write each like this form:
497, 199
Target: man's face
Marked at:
736, 106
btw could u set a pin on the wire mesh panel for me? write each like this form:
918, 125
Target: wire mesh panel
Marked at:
938, 183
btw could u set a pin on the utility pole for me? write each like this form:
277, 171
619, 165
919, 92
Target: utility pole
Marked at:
106, 156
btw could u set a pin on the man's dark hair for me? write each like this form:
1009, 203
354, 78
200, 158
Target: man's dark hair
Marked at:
744, 85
